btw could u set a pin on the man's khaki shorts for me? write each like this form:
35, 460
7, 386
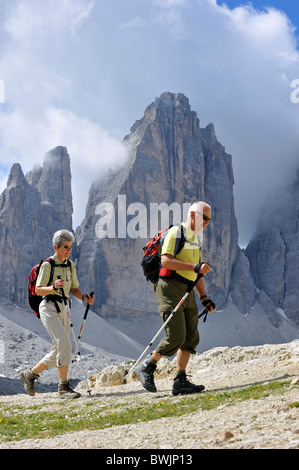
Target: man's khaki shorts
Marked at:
182, 329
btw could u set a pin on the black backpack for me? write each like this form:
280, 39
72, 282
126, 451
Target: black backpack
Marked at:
34, 299
151, 261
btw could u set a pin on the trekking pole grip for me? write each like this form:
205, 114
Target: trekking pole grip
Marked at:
87, 306
62, 292
91, 294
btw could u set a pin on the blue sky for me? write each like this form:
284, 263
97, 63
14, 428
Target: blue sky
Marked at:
80, 72
289, 7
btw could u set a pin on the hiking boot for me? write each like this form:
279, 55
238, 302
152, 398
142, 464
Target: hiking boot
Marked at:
183, 386
146, 374
65, 391
28, 378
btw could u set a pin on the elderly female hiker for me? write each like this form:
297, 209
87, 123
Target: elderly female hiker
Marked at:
54, 313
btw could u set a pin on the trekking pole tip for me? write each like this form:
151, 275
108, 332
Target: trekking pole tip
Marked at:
125, 379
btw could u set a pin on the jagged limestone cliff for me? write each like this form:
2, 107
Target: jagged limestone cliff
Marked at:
274, 251
172, 161
32, 208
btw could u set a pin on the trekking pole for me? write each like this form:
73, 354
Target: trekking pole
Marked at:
190, 288
76, 351
72, 328
205, 313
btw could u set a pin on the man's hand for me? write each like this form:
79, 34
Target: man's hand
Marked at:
209, 304
202, 268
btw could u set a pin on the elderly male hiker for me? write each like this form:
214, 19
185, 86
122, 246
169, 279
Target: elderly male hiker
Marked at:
177, 272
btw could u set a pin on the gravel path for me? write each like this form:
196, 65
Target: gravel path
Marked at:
252, 424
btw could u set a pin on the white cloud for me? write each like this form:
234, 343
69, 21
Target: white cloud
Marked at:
79, 73
170, 3
36, 120
269, 31
33, 19
93, 151
239, 77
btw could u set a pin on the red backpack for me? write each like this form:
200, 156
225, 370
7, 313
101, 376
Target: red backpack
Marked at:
151, 261
34, 299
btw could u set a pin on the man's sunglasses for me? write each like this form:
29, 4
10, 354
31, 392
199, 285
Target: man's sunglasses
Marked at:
205, 217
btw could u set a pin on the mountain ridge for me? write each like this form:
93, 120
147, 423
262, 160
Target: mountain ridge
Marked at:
171, 160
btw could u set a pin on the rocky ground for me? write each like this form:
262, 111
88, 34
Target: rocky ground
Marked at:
266, 423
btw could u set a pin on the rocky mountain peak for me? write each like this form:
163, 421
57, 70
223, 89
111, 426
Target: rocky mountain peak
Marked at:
170, 115
172, 162
170, 107
16, 176
273, 252
32, 208
53, 182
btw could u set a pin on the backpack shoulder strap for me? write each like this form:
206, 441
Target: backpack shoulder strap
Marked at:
181, 241
162, 235
52, 263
